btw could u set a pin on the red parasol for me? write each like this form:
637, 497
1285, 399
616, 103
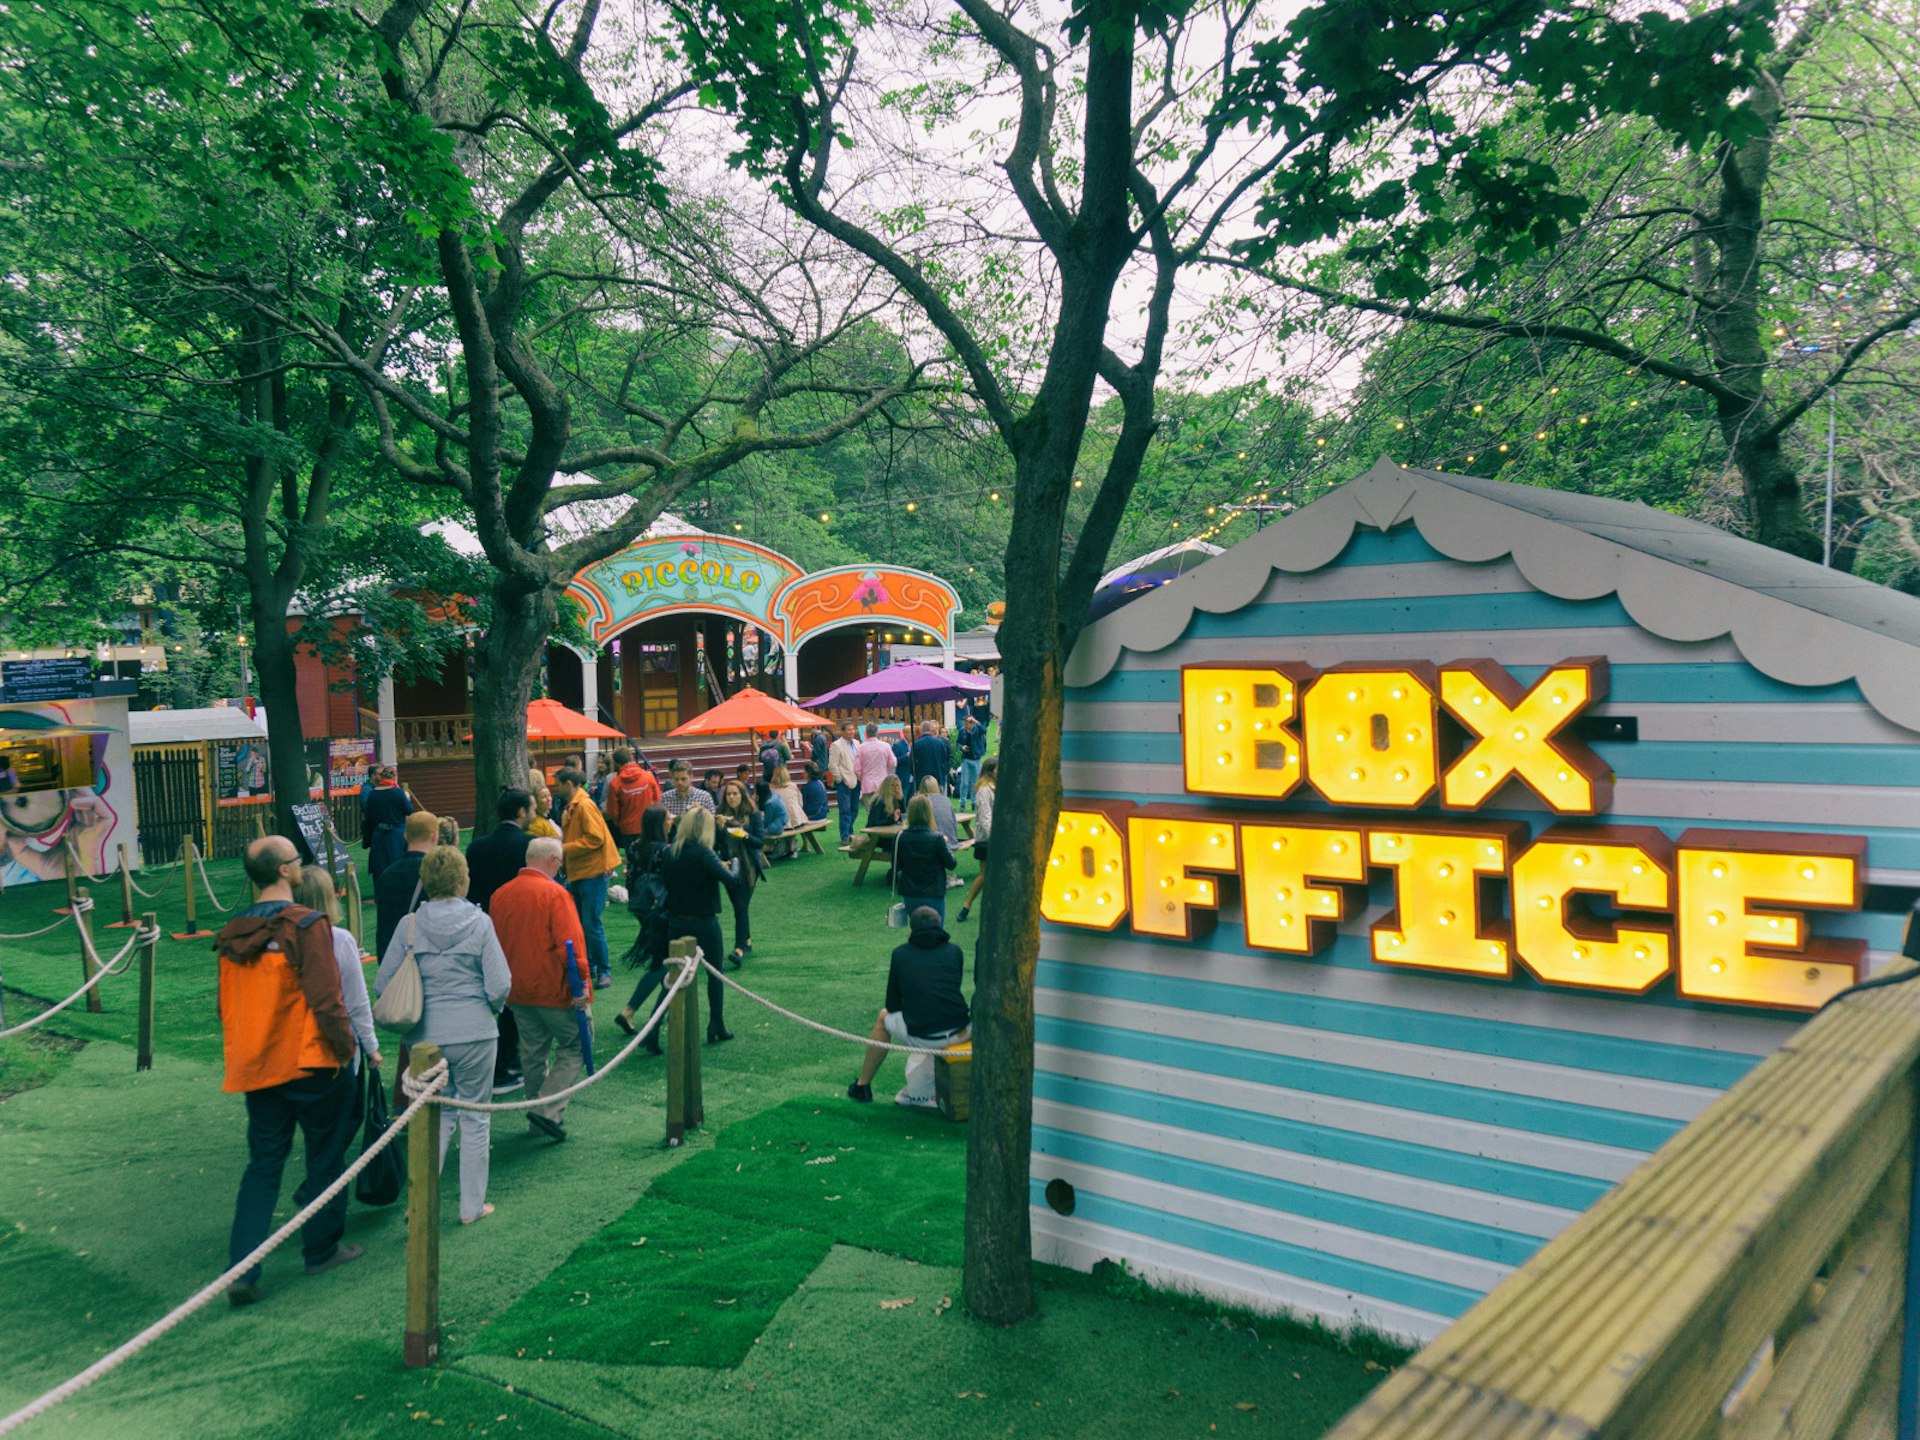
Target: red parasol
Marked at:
749, 710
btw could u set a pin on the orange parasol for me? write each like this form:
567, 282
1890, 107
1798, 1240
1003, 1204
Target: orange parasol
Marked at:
749, 710
550, 720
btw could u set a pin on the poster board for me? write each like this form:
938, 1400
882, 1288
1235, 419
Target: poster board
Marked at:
348, 764
240, 772
311, 817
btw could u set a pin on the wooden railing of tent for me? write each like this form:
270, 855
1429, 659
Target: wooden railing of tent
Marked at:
1748, 1282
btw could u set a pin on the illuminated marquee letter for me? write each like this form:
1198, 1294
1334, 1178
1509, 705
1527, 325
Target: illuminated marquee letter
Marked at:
1732, 953
1164, 848
1236, 740
1435, 923
1086, 880
1284, 909
1515, 734
1561, 941
1370, 736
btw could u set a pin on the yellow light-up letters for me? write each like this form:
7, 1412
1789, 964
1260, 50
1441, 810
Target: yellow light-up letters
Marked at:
1167, 899
1732, 952
1436, 923
1285, 910
1518, 735
1238, 739
1370, 736
1559, 940
1086, 880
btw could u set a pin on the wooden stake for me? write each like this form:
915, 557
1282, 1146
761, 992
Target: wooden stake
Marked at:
87, 967
259, 823
126, 920
678, 1043
421, 1345
356, 916
149, 953
189, 857
326, 833
67, 865
696, 1113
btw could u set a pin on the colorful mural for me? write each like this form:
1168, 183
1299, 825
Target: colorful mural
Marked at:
35, 822
856, 594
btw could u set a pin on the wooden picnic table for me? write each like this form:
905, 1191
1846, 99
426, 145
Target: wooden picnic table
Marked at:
879, 832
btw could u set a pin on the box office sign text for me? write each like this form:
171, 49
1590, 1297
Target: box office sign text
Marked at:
1605, 907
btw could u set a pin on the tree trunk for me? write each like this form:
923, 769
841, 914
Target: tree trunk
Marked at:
506, 661
997, 1276
275, 678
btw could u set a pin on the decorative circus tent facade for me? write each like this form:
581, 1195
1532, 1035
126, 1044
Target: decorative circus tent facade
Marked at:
676, 622
1430, 858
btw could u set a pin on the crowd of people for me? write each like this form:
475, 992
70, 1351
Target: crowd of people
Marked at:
508, 941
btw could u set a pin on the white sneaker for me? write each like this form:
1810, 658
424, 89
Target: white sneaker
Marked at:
916, 1102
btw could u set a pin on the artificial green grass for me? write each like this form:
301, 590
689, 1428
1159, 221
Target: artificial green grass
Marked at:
881, 1176
662, 1285
116, 1192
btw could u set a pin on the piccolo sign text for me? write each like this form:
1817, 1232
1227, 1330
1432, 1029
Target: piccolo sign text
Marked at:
1602, 907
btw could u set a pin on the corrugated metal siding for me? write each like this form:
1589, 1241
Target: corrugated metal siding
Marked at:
1334, 1136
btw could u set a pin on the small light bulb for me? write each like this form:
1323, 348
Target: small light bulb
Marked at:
1580, 858
1714, 967
1401, 776
1716, 918
1341, 737
1226, 758
1445, 872
1166, 882
1283, 895
1519, 734
1546, 902
1481, 772
1353, 694
1356, 774
1399, 692
1093, 830
1223, 726
1719, 872
1579, 952
1279, 844
1446, 917
1807, 872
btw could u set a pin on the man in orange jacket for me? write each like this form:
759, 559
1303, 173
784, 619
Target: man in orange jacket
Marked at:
591, 858
534, 918
287, 1043
630, 791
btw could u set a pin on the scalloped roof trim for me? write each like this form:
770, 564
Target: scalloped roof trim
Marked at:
1794, 621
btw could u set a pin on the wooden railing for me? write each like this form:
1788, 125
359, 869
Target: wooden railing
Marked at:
434, 737
1746, 1283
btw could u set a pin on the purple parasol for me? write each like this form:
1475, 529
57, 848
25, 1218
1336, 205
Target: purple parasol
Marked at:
908, 683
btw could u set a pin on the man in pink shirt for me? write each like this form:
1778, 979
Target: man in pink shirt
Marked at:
872, 763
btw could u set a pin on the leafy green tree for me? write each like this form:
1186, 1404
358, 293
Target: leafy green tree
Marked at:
1129, 143
1738, 265
165, 175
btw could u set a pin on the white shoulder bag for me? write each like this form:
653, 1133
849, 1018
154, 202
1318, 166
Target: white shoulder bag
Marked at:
404, 1000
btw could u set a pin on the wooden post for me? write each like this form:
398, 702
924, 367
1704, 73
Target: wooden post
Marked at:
149, 952
189, 857
326, 833
259, 823
126, 920
679, 1042
695, 1114
421, 1345
87, 967
356, 916
68, 867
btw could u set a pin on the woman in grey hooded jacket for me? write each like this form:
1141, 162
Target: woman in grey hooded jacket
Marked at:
464, 981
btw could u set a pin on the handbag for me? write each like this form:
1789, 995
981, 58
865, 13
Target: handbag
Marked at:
404, 1000
381, 1182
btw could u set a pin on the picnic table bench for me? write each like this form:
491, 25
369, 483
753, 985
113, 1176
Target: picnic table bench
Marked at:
881, 832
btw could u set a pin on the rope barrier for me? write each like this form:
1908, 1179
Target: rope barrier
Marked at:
106, 967
431, 1082
687, 972
815, 1024
212, 899
44, 929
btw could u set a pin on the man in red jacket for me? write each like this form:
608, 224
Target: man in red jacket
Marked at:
534, 918
631, 790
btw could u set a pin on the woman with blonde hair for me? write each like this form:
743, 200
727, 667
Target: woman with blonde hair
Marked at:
316, 892
982, 827
464, 983
921, 858
694, 877
542, 822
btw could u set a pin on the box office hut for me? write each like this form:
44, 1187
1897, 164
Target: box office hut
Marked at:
1430, 858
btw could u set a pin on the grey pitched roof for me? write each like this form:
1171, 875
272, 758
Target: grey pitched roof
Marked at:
1795, 621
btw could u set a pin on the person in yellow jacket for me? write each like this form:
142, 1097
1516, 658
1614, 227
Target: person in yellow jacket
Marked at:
591, 857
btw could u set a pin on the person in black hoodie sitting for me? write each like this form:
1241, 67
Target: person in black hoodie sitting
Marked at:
694, 877
924, 1008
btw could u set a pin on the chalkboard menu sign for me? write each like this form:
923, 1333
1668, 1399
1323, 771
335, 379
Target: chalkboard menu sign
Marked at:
23, 682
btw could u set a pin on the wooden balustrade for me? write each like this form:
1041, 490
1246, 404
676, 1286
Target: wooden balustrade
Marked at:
434, 737
1746, 1283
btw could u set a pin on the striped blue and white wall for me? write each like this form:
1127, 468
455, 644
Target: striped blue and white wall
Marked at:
1331, 1136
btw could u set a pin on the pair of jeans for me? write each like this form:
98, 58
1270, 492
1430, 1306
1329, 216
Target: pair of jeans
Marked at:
969, 777
935, 903
849, 806
320, 1104
590, 899
705, 930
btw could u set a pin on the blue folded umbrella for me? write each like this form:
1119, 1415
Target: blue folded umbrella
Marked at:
577, 986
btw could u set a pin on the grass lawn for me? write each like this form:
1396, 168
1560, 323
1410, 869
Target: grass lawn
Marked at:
792, 1271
